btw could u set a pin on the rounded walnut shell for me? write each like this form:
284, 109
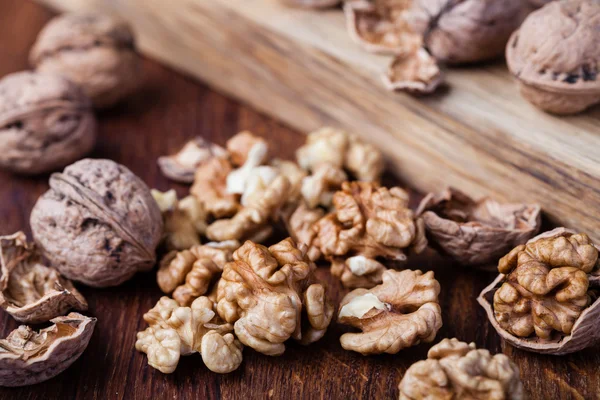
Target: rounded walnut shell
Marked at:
556, 57
98, 224
46, 123
95, 51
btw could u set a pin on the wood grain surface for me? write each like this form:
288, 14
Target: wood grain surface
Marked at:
302, 68
168, 110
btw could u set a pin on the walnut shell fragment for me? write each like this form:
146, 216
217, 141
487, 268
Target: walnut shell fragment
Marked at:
28, 357
271, 295
98, 224
96, 51
181, 167
545, 299
401, 312
30, 291
46, 123
417, 73
556, 57
457, 370
476, 233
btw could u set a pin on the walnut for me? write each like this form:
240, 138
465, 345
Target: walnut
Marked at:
271, 295
237, 180
98, 224
46, 122
299, 225
93, 50
369, 222
466, 31
181, 167
319, 187
30, 291
545, 298
476, 233
28, 357
416, 73
210, 188
176, 331
555, 54
188, 274
311, 3
457, 370
401, 312
295, 176
241, 145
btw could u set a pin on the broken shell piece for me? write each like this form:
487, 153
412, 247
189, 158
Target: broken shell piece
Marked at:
416, 73
32, 292
311, 3
28, 357
180, 167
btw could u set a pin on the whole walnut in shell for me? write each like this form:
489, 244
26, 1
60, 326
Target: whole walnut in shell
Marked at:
401, 312
95, 51
457, 370
30, 291
476, 233
271, 295
46, 123
466, 31
98, 224
28, 357
545, 298
556, 57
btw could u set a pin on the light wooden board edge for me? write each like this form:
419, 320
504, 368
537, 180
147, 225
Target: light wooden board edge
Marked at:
428, 142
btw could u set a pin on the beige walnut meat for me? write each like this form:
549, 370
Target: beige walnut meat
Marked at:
30, 291
181, 167
545, 298
401, 312
94, 50
46, 123
28, 357
271, 295
457, 370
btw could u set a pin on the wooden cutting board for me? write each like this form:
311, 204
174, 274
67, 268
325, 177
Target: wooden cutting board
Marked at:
300, 66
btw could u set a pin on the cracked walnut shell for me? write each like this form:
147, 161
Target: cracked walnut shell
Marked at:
181, 167
271, 295
30, 291
545, 298
401, 312
98, 224
28, 357
457, 370
46, 123
476, 233
556, 57
417, 73
95, 51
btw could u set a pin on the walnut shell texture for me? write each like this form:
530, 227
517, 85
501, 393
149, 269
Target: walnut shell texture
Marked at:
46, 123
95, 51
98, 224
28, 357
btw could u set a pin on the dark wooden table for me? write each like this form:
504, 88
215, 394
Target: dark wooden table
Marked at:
167, 111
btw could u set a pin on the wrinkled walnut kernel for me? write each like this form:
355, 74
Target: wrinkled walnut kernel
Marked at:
180, 230
181, 167
210, 188
416, 73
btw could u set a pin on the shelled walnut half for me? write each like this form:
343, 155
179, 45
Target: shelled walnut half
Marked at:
545, 299
457, 370
369, 223
401, 312
30, 291
28, 357
476, 233
271, 295
181, 167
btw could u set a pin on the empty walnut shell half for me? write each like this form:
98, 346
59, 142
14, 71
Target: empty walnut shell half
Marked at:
545, 299
466, 31
93, 50
28, 357
46, 123
98, 224
30, 291
556, 57
476, 233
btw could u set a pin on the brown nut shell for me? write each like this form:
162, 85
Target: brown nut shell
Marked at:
96, 51
583, 332
98, 224
28, 357
416, 73
46, 123
30, 291
476, 233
